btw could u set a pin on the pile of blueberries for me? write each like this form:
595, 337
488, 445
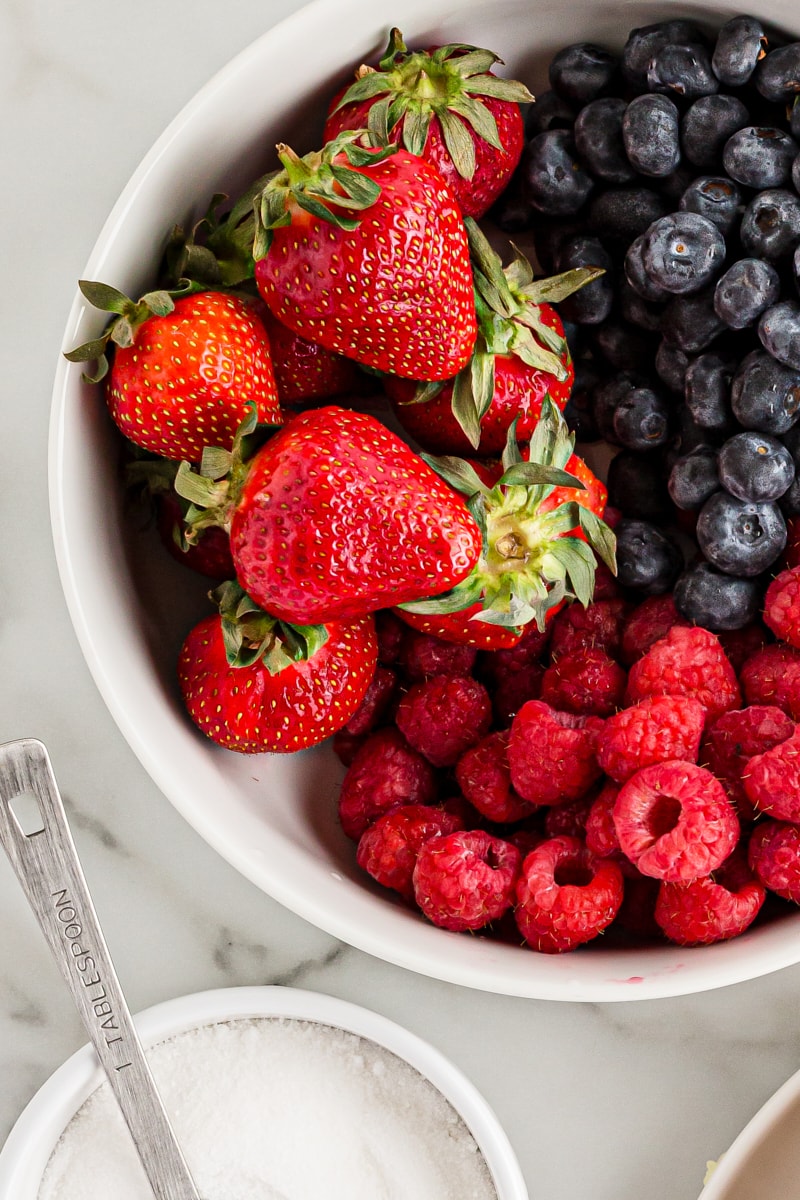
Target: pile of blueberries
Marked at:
675, 166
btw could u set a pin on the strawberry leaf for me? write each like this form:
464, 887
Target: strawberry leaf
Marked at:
529, 474
458, 141
475, 62
311, 205
600, 537
370, 83
500, 89
416, 124
458, 473
558, 287
104, 297
479, 118
464, 406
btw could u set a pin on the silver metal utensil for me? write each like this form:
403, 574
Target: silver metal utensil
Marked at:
47, 865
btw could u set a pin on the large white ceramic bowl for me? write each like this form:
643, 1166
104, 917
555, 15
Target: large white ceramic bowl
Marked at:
31, 1142
274, 818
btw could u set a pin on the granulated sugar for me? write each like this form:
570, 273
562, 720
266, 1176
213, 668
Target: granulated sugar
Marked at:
280, 1109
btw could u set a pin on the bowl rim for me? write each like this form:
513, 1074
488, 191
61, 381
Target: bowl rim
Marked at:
26, 1151
668, 971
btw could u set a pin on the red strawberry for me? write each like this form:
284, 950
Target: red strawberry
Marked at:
520, 356
460, 627
445, 105
541, 526
183, 372
365, 253
335, 517
254, 685
305, 370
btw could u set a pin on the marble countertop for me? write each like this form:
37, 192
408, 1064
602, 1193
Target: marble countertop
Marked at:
614, 1101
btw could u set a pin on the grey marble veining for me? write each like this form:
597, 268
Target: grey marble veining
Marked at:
609, 1102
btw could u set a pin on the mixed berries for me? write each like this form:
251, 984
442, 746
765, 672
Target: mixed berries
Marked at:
566, 706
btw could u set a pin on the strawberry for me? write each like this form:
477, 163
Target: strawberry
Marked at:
445, 105
364, 252
183, 370
306, 371
465, 628
253, 684
520, 356
335, 517
539, 540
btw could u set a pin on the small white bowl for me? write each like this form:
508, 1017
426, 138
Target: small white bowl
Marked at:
275, 818
25, 1155
764, 1160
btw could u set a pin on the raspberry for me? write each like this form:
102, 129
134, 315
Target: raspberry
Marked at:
567, 820
636, 915
466, 879
605, 584
674, 821
772, 780
424, 655
391, 632
552, 754
736, 737
741, 644
484, 776
652, 731
782, 606
597, 626
509, 695
376, 701
772, 676
388, 849
585, 681
647, 624
385, 772
444, 716
713, 908
346, 745
689, 661
601, 832
774, 857
514, 675
565, 895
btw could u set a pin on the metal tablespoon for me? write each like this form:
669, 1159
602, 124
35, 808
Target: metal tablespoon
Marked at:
47, 865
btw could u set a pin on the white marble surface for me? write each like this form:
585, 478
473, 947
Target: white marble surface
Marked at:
616, 1101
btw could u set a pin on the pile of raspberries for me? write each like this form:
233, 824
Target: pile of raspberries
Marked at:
622, 769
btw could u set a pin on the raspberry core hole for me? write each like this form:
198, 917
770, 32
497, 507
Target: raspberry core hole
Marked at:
567, 874
663, 816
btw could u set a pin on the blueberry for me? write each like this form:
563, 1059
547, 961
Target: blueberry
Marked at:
648, 560
707, 386
770, 226
755, 466
651, 133
765, 395
739, 537
550, 111
622, 346
694, 477
637, 487
636, 275
706, 126
746, 289
644, 314
690, 322
553, 178
598, 140
671, 364
646, 41
740, 44
777, 75
796, 174
779, 332
582, 72
511, 211
682, 68
682, 252
794, 119
716, 198
759, 156
688, 436
796, 268
607, 398
549, 235
592, 303
625, 213
672, 186
578, 412
715, 600
642, 420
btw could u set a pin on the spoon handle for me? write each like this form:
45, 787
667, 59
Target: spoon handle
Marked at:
47, 865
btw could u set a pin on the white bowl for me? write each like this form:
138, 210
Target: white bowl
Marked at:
274, 818
26, 1152
764, 1160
